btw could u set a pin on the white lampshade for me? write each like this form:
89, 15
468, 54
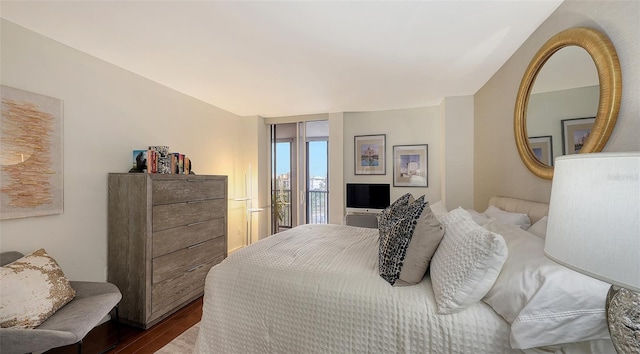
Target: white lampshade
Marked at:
594, 216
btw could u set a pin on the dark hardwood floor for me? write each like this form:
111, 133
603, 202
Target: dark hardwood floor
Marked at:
136, 340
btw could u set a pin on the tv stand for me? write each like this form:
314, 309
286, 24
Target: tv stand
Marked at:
368, 220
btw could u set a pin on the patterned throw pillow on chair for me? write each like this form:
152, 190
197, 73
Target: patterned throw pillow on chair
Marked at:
31, 289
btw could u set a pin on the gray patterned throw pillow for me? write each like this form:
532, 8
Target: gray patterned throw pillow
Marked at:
392, 212
404, 255
389, 221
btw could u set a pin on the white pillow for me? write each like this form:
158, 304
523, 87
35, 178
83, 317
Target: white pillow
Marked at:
539, 228
31, 289
478, 217
545, 303
466, 263
506, 217
438, 209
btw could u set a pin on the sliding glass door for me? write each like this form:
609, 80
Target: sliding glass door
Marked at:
317, 167
299, 174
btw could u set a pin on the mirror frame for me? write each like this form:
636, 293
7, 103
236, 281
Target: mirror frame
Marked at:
606, 61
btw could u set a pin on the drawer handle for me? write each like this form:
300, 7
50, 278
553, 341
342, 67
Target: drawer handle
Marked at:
195, 223
195, 268
196, 245
196, 201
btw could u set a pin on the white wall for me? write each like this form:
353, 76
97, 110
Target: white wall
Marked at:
402, 127
457, 134
336, 168
108, 112
498, 168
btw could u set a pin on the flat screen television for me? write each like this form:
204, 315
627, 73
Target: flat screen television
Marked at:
367, 197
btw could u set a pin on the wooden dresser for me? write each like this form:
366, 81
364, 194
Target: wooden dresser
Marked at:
165, 232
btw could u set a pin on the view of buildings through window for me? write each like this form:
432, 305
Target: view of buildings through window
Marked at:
317, 181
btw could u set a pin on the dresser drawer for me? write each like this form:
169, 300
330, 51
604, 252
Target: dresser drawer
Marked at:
186, 259
167, 216
189, 189
175, 291
171, 240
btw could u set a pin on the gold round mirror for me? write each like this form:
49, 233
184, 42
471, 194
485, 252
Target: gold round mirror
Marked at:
604, 56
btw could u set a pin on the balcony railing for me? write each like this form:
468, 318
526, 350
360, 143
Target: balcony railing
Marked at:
317, 207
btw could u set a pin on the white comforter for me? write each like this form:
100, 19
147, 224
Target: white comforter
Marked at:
316, 289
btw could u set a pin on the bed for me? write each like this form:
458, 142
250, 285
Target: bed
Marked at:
317, 289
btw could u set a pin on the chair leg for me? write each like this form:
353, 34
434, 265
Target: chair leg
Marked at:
117, 323
80, 346
117, 326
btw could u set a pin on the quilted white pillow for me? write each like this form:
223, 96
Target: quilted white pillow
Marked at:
506, 217
540, 227
478, 217
545, 303
466, 264
31, 289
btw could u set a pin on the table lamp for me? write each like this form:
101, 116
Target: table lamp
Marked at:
594, 229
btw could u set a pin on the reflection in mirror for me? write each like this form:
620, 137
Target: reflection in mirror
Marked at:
604, 56
566, 87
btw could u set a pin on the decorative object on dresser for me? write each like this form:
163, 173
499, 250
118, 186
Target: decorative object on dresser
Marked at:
139, 161
158, 159
593, 228
165, 232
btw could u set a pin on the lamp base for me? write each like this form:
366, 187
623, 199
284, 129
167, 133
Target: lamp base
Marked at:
623, 317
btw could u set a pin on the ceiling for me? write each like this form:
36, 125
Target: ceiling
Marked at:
286, 58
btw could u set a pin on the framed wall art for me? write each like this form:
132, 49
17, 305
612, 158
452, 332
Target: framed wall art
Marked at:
542, 147
31, 166
410, 165
574, 133
370, 156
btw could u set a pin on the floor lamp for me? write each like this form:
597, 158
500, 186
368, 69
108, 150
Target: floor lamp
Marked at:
594, 229
250, 210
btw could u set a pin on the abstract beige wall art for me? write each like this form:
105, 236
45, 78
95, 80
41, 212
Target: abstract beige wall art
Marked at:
31, 165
